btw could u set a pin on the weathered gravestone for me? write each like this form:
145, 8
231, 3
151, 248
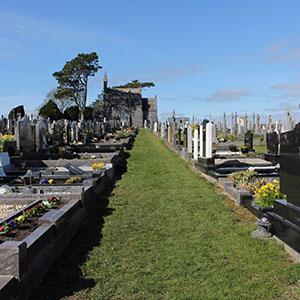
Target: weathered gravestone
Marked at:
58, 133
286, 215
25, 136
40, 135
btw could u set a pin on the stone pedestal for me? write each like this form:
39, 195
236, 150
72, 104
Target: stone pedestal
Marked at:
206, 164
273, 158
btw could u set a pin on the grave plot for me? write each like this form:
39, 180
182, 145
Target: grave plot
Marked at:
20, 222
33, 238
252, 191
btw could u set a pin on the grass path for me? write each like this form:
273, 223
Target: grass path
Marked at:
171, 236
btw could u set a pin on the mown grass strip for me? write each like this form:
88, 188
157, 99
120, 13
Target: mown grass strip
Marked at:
171, 236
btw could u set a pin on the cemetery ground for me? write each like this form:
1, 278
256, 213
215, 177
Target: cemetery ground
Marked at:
167, 233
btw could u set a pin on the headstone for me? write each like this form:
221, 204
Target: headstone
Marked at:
214, 133
245, 127
224, 123
169, 134
202, 142
257, 125
248, 140
190, 139
196, 144
25, 136
209, 140
285, 218
58, 133
288, 123
272, 143
163, 131
40, 135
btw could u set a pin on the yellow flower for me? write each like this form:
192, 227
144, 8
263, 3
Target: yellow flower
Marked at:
20, 219
98, 165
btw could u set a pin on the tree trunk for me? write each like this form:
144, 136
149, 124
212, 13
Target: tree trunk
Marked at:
84, 99
82, 114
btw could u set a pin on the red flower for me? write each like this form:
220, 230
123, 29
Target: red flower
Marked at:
1, 228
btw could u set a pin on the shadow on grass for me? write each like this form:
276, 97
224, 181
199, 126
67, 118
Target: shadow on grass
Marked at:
66, 278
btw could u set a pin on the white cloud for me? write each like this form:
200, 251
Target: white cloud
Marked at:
286, 86
226, 95
289, 91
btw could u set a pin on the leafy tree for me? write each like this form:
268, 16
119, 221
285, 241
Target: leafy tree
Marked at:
73, 79
50, 110
115, 102
136, 84
72, 113
61, 103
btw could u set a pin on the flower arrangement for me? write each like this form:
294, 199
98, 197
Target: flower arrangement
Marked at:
28, 213
267, 194
247, 180
123, 134
98, 166
73, 179
6, 138
47, 181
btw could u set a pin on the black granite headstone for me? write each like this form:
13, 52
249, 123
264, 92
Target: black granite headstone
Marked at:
272, 143
286, 215
248, 140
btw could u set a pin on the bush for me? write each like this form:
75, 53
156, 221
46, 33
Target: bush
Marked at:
267, 194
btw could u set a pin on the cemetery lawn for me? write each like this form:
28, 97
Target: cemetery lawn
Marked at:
260, 149
171, 235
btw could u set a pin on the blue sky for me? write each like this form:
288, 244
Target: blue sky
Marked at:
204, 56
